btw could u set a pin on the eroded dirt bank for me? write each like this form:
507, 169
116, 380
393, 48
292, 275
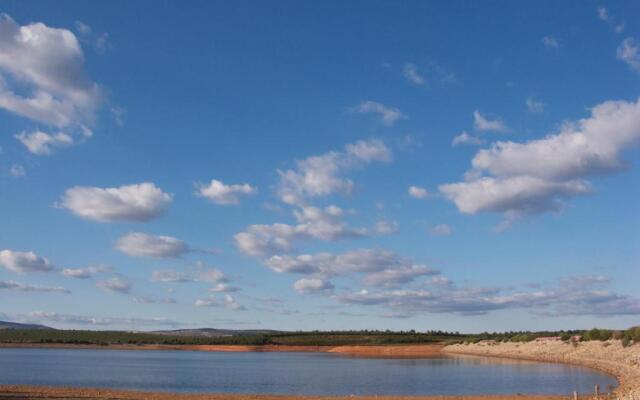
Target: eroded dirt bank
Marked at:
609, 357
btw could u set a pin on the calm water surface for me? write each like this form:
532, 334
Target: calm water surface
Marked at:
289, 373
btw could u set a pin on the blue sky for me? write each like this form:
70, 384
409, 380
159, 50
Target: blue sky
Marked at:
335, 165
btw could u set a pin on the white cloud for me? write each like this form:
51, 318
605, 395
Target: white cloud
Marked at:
48, 62
41, 143
224, 288
13, 285
519, 194
318, 176
550, 42
114, 285
398, 275
380, 267
17, 170
85, 273
588, 147
139, 244
199, 274
23, 262
385, 227
410, 72
313, 285
313, 223
604, 15
465, 138
441, 230
219, 193
49, 317
538, 175
482, 123
629, 52
227, 302
417, 192
569, 297
83, 28
138, 203
367, 151
389, 115
534, 106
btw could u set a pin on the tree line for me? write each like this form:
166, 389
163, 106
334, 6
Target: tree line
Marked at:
306, 338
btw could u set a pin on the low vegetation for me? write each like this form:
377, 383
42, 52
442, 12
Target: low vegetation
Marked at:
311, 338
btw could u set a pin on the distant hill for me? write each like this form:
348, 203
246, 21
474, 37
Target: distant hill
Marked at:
15, 325
210, 332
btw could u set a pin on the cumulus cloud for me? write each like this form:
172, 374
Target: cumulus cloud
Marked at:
629, 52
219, 193
227, 301
85, 273
410, 72
388, 115
139, 244
482, 123
13, 285
379, 267
550, 42
24, 262
313, 285
465, 138
41, 143
574, 296
313, 223
49, 64
519, 195
136, 203
417, 192
200, 273
539, 175
322, 175
114, 285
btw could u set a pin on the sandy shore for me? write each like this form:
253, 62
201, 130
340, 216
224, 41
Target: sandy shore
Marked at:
413, 351
609, 357
12, 392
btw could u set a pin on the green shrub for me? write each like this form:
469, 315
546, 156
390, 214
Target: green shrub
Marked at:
593, 334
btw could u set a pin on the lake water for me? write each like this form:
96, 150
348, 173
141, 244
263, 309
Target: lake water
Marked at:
290, 373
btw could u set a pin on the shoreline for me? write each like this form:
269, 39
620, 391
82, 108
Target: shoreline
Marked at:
608, 357
12, 392
396, 351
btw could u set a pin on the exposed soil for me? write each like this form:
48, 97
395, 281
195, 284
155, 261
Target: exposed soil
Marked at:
413, 350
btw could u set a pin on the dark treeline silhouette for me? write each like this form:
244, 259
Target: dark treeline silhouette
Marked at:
307, 338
